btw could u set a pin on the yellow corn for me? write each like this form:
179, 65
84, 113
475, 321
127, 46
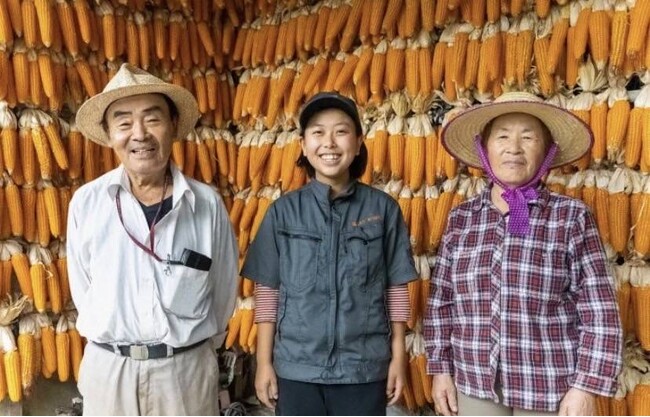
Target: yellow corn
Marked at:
13, 375
76, 351
63, 350
633, 140
82, 10
638, 34
14, 205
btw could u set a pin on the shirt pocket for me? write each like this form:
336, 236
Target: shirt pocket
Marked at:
548, 279
184, 292
299, 252
466, 273
364, 256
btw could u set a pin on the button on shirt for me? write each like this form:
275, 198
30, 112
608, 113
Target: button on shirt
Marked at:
540, 309
123, 294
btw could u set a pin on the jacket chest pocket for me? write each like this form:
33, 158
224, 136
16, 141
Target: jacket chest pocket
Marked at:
299, 254
364, 256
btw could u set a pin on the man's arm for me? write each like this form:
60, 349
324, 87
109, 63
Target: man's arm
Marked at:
224, 271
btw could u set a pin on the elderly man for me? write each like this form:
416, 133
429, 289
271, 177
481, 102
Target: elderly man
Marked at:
152, 259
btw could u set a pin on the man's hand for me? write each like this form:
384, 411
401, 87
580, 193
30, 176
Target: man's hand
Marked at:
266, 385
577, 402
396, 379
443, 392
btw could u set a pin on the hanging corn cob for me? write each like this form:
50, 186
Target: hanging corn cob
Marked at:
640, 221
640, 281
418, 222
638, 34
617, 121
11, 362
8, 137
26, 349
62, 341
234, 325
443, 207
619, 189
622, 284
76, 344
7, 270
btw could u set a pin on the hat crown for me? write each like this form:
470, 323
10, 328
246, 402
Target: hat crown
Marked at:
517, 96
129, 76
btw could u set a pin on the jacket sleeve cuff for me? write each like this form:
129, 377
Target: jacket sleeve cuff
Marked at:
439, 367
595, 384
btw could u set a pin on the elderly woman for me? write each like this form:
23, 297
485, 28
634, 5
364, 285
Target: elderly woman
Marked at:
523, 318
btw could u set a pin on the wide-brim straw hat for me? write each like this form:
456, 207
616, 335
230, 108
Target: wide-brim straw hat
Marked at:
130, 81
572, 136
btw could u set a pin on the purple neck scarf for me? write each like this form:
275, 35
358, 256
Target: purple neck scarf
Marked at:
518, 197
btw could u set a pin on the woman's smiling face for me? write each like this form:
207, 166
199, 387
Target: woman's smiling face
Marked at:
516, 147
330, 144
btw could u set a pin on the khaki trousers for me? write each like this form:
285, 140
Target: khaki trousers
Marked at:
184, 384
472, 406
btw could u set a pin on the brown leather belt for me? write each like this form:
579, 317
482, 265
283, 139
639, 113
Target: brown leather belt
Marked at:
144, 352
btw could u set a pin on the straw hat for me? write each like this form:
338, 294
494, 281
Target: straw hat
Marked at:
572, 136
130, 81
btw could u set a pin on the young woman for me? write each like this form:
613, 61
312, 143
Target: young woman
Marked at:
331, 262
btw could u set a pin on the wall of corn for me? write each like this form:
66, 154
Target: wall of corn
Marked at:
410, 65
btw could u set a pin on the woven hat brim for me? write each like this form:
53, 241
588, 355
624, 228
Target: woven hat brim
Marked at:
90, 114
573, 137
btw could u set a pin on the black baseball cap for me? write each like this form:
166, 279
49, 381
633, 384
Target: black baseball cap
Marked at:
330, 100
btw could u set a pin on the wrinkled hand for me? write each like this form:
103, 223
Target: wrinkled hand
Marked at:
577, 402
266, 385
396, 380
443, 391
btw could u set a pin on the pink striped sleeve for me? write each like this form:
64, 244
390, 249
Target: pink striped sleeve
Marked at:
266, 304
397, 299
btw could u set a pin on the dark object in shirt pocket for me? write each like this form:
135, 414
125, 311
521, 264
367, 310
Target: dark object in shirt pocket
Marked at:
195, 260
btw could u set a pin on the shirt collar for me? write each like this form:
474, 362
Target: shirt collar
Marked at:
485, 198
322, 190
118, 178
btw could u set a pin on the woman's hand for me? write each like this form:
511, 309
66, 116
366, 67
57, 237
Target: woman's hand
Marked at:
577, 402
266, 385
396, 379
443, 392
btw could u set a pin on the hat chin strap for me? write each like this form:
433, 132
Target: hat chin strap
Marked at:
517, 197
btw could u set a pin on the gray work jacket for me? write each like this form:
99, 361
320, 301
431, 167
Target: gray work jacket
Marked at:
332, 261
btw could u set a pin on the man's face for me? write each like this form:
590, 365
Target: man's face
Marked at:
141, 132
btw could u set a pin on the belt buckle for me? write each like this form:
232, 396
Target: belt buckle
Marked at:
139, 352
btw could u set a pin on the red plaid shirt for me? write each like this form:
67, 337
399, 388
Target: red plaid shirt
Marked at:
539, 309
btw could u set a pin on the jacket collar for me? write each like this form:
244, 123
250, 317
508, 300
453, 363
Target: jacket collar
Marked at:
322, 191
